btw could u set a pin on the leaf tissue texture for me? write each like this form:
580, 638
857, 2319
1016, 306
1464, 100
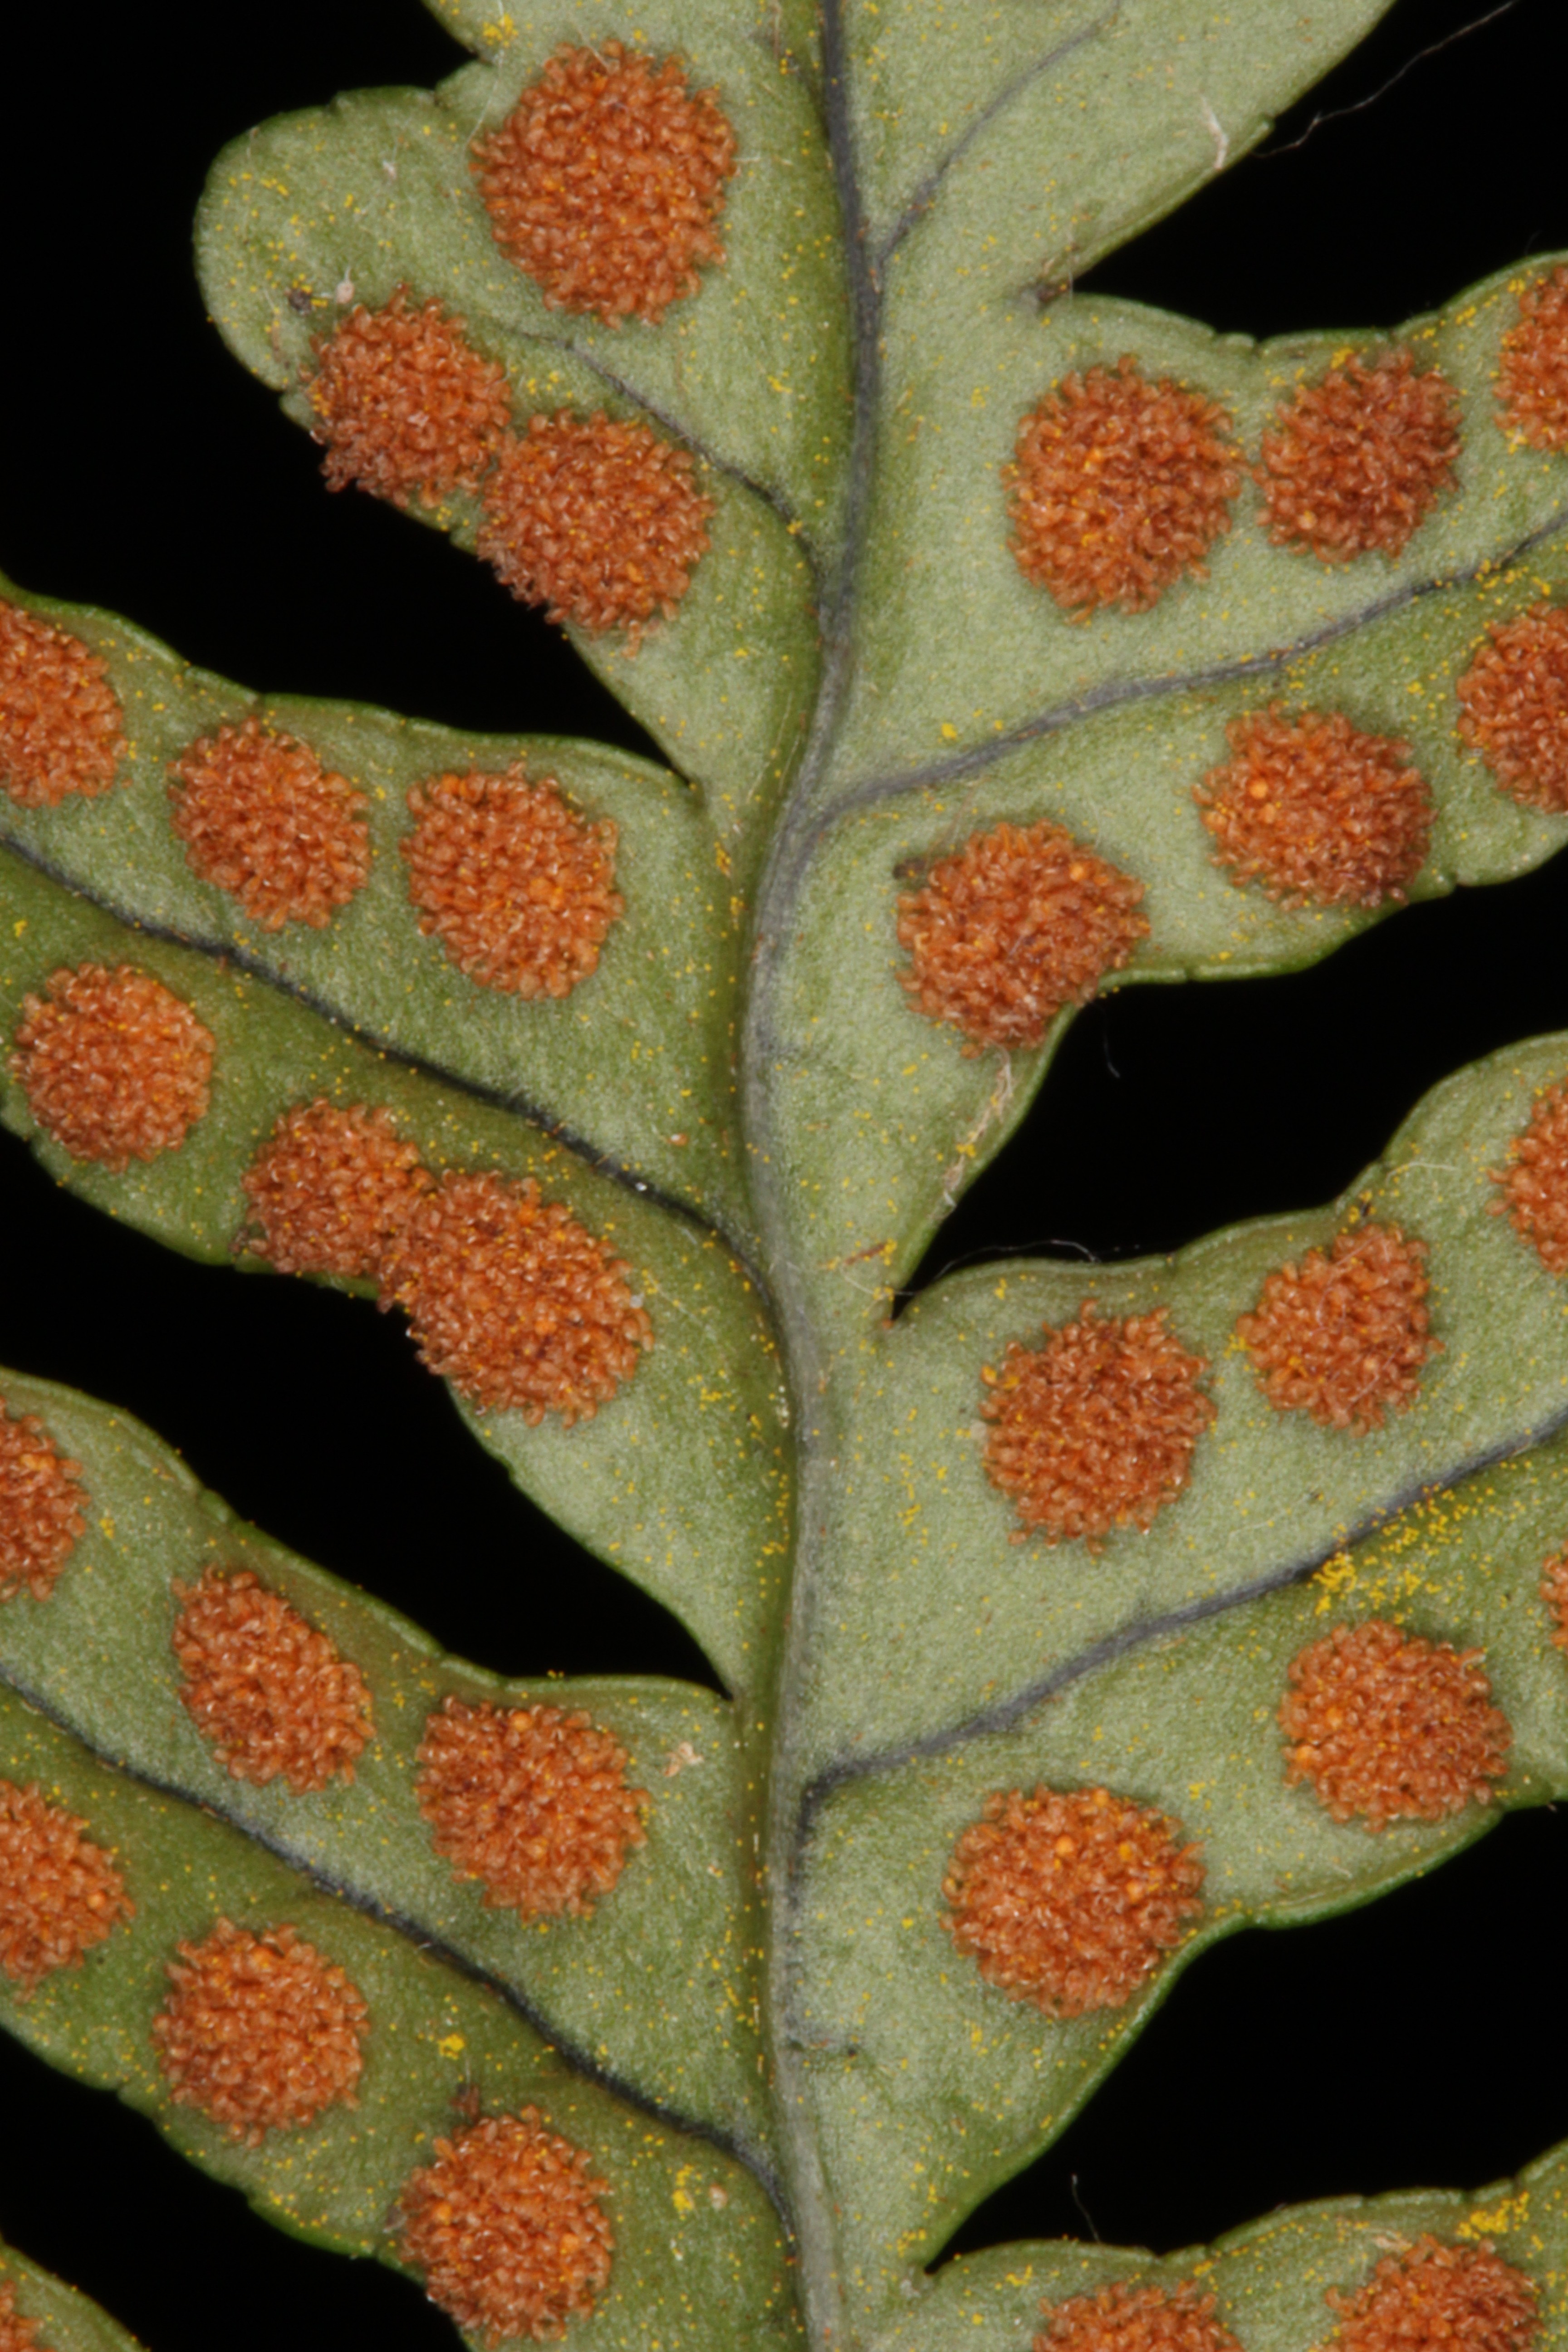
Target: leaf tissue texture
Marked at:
41, 2311
1003, 644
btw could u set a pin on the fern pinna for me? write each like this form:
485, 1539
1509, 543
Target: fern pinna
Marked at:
1003, 644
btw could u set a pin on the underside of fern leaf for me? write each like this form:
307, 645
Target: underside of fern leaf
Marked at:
35, 2309
1002, 644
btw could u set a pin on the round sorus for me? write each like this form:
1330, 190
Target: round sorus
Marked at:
328, 1188
262, 819
1127, 2317
514, 1301
531, 1801
594, 519
1118, 487
16, 2333
60, 720
1513, 707
260, 2032
404, 405
1013, 927
41, 1498
1344, 1337
268, 1692
1437, 2298
1555, 1592
1533, 1184
114, 1067
516, 886
606, 180
1392, 1728
1317, 813
1070, 1901
1533, 382
1359, 459
1096, 1429
59, 1894
508, 2228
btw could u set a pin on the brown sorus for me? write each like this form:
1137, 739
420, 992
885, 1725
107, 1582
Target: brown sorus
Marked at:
16, 2333
1389, 1726
1319, 812
606, 180
1358, 460
1513, 707
404, 405
1070, 1901
531, 1801
1015, 925
1533, 1184
1437, 2298
594, 519
516, 886
1344, 1337
328, 1188
508, 2228
61, 726
1130, 2317
268, 1692
41, 1498
513, 1301
59, 1894
1096, 1429
260, 2032
262, 819
1533, 382
114, 1067
1118, 487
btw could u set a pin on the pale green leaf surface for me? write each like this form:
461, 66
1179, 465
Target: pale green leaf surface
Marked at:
67, 2321
749, 373
938, 1616
636, 1055
677, 1481
1270, 2281
932, 2087
688, 2264
655, 1989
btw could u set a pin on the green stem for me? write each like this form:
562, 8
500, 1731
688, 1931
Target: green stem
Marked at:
809, 1370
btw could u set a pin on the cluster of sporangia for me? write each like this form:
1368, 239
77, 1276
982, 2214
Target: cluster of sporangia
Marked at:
510, 1297
16, 2333
1426, 2296
260, 2032
604, 185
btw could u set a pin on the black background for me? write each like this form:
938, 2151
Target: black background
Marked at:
1418, 2042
